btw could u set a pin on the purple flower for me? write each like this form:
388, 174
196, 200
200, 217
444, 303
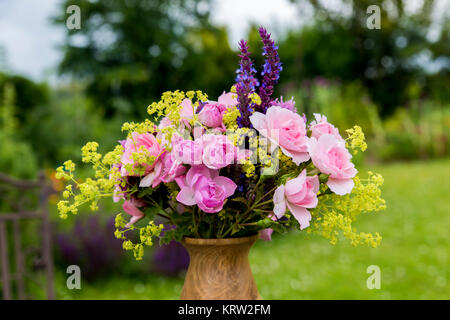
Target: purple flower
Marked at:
91, 245
271, 69
290, 104
170, 259
246, 84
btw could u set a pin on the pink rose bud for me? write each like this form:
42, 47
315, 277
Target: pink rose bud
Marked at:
320, 126
211, 115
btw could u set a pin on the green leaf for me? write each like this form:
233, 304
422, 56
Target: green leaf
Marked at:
240, 199
235, 229
152, 211
145, 192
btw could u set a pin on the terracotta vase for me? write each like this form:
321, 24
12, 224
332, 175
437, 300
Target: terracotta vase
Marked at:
219, 269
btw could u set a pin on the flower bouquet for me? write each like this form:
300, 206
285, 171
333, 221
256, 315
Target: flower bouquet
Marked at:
216, 175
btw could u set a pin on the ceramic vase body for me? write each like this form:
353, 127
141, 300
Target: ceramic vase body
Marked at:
219, 269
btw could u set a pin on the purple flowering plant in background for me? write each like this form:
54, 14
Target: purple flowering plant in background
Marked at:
170, 259
91, 245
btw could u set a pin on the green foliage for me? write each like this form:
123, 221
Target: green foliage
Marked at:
29, 96
343, 104
132, 51
420, 132
16, 158
48, 126
57, 129
339, 45
314, 46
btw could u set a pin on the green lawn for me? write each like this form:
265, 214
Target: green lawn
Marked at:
413, 256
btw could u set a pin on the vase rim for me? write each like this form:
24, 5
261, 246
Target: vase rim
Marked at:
220, 241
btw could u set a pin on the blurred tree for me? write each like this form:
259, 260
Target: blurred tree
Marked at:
16, 158
388, 61
35, 113
128, 52
29, 95
23, 100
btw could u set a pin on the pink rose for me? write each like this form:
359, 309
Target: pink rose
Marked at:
298, 194
171, 168
330, 156
166, 170
321, 126
138, 140
162, 136
218, 151
227, 99
153, 178
212, 112
187, 112
187, 109
211, 115
205, 188
131, 207
188, 151
284, 128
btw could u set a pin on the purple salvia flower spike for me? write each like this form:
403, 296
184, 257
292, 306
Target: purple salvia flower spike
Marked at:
271, 69
246, 84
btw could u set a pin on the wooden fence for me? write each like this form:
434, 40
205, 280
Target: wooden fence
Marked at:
26, 201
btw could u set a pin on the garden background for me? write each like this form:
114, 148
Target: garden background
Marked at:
393, 82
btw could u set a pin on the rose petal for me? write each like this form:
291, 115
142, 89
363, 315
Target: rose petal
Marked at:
227, 184
297, 157
279, 202
153, 177
186, 196
340, 186
227, 99
131, 209
196, 172
258, 120
300, 214
132, 221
